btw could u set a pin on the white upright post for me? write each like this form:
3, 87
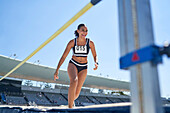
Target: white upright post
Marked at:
135, 26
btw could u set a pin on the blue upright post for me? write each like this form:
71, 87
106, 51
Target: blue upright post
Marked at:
135, 26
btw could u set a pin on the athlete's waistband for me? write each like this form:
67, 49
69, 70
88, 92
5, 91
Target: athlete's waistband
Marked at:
80, 55
77, 63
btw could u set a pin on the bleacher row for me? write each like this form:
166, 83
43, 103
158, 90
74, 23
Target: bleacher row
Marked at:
56, 99
33, 98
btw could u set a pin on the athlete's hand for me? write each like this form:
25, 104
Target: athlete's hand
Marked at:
56, 75
96, 66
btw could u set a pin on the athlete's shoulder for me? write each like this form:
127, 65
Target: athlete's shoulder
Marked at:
91, 43
71, 43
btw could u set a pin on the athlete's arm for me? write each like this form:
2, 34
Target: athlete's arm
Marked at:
67, 50
93, 50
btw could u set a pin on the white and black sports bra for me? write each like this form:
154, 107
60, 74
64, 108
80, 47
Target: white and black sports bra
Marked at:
81, 51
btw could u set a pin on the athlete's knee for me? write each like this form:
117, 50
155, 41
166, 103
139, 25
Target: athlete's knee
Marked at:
74, 80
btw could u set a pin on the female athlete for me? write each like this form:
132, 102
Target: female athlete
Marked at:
77, 67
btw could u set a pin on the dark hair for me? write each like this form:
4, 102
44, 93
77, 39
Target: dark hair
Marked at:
79, 26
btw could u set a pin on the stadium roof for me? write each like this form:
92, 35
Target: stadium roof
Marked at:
36, 72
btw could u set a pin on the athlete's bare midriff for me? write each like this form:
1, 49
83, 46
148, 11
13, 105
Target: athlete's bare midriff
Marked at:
80, 59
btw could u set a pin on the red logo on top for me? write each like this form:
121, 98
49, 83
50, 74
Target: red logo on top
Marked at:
135, 57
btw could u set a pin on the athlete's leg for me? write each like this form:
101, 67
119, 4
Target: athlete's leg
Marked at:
72, 72
81, 78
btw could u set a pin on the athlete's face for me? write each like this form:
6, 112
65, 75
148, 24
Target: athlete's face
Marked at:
82, 31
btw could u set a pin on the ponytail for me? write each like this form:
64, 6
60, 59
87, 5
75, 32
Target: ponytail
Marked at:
79, 26
76, 33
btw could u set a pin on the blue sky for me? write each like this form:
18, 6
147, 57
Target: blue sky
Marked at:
25, 25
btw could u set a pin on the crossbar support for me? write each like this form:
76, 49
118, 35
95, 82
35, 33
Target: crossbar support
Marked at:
136, 32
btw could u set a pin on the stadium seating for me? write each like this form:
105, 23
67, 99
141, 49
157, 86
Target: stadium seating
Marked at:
115, 100
37, 97
84, 101
103, 100
91, 98
165, 101
14, 100
42, 97
56, 99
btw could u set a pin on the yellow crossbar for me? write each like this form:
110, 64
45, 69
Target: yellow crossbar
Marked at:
74, 18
